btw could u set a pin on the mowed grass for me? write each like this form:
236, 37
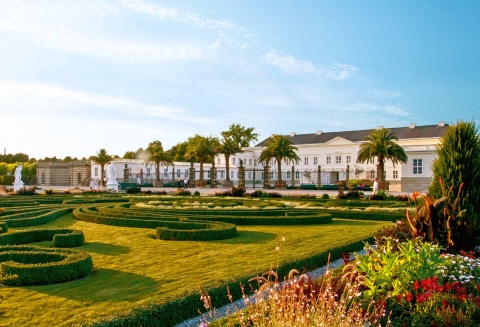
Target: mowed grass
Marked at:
131, 267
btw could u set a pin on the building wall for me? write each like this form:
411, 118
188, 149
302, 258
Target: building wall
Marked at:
62, 173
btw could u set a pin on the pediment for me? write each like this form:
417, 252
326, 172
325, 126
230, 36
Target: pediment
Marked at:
339, 141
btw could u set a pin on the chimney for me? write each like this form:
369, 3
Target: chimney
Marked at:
412, 125
292, 134
441, 124
319, 132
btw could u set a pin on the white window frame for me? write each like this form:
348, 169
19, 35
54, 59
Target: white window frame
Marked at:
338, 160
329, 160
418, 166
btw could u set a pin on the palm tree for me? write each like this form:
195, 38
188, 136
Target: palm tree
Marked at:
202, 149
156, 155
233, 140
101, 158
280, 148
381, 144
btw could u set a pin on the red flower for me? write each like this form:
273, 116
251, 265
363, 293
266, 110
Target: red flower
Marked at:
444, 303
477, 300
399, 297
416, 285
409, 297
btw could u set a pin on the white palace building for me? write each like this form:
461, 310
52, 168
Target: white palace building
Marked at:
327, 153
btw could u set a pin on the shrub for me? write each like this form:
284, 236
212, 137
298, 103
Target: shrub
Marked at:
134, 189
256, 194
234, 191
457, 166
49, 191
197, 193
3, 227
26, 191
325, 196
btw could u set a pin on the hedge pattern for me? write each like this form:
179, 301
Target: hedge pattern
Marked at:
60, 237
34, 265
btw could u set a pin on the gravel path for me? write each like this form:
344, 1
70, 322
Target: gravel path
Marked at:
239, 304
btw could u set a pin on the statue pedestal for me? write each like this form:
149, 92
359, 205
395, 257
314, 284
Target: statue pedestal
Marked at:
17, 186
112, 186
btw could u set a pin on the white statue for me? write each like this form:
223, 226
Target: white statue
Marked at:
18, 174
112, 175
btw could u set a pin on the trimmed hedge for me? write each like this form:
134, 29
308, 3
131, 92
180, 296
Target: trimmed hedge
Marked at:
171, 228
3, 227
36, 219
60, 237
361, 215
174, 311
34, 265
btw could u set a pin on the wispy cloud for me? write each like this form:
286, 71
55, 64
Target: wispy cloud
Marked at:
291, 65
384, 94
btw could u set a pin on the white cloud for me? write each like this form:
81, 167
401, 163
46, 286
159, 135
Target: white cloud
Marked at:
291, 65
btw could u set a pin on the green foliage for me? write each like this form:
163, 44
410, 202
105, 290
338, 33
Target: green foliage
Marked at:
26, 191
33, 265
3, 227
61, 237
102, 157
158, 156
388, 272
457, 166
35, 218
134, 189
196, 193
325, 196
381, 144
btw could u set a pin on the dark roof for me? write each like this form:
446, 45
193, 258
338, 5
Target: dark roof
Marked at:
417, 132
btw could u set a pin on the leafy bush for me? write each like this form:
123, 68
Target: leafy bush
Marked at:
325, 196
134, 189
49, 191
351, 194
196, 193
26, 191
256, 194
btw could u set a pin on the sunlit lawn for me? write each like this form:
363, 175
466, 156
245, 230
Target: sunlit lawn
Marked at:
131, 267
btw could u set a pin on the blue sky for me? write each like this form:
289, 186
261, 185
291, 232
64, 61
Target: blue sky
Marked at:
77, 76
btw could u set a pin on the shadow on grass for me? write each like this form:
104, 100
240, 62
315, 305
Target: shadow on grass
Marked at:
248, 237
105, 248
103, 285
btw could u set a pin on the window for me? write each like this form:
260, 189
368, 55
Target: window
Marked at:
96, 172
306, 161
315, 161
338, 159
148, 171
349, 159
222, 174
417, 166
249, 162
186, 172
233, 161
395, 174
297, 174
165, 172
218, 161
232, 174
255, 162
249, 175
329, 160
288, 175
372, 174
178, 172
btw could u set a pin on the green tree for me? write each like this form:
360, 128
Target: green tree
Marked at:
202, 149
457, 166
101, 158
280, 148
157, 155
233, 140
129, 155
381, 144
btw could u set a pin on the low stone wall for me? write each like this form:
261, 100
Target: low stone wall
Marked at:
418, 184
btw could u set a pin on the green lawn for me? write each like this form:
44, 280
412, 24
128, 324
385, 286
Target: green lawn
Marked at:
131, 267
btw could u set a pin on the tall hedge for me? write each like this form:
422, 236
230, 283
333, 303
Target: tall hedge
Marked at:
457, 162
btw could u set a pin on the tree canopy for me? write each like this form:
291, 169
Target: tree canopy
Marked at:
156, 155
280, 148
381, 144
102, 157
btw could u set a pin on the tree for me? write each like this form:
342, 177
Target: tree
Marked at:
129, 155
233, 140
280, 148
156, 155
457, 166
202, 149
381, 144
101, 158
